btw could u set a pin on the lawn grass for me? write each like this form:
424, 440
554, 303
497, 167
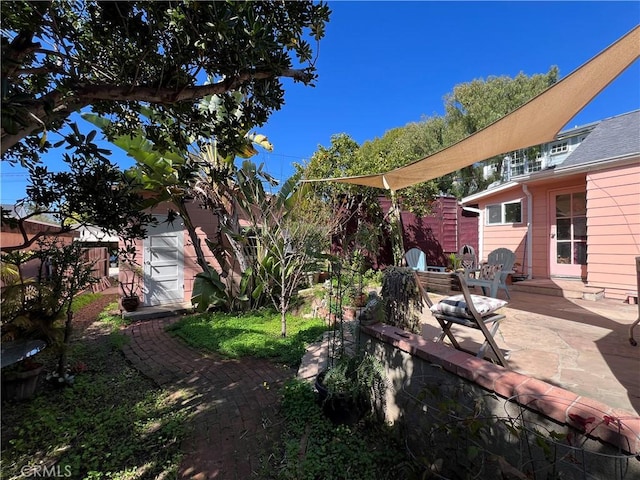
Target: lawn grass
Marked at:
255, 334
83, 300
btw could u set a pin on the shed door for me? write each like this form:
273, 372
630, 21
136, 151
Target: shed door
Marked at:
163, 264
568, 233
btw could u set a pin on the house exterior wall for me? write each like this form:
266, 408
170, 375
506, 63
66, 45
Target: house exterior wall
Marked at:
613, 225
511, 236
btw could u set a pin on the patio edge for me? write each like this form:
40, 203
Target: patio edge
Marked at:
616, 427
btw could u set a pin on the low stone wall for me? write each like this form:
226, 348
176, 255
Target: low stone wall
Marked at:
441, 396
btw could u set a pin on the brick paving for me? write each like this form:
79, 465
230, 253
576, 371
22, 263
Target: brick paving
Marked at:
233, 403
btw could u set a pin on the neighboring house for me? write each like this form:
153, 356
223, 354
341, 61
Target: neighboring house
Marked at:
91, 238
10, 237
572, 210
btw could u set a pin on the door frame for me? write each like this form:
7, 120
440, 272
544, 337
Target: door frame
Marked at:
161, 229
555, 269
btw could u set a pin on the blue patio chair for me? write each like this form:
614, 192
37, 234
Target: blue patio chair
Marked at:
416, 259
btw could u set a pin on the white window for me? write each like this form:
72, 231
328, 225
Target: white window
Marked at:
535, 165
558, 148
250, 247
503, 213
524, 161
517, 163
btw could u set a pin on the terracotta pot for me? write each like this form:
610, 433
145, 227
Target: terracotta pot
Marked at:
359, 300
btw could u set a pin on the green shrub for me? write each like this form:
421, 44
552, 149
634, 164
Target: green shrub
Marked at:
313, 447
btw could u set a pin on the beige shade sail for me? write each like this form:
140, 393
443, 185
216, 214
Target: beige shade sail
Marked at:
537, 121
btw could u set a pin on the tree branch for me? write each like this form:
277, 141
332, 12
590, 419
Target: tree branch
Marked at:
27, 241
86, 95
63, 107
169, 95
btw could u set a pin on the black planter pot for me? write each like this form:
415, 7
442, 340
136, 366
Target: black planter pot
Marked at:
340, 408
130, 304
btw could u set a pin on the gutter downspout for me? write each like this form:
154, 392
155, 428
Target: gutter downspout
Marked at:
526, 191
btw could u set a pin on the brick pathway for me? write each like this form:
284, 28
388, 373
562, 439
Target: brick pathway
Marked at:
232, 402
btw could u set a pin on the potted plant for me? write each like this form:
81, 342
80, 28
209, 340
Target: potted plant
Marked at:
19, 381
131, 275
347, 384
455, 262
357, 296
345, 389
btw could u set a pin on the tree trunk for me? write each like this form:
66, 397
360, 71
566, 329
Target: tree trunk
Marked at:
397, 237
197, 246
283, 303
68, 327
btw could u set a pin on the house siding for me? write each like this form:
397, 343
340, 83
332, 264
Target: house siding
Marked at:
613, 226
511, 236
603, 160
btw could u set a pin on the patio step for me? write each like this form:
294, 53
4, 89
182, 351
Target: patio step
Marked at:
146, 313
559, 288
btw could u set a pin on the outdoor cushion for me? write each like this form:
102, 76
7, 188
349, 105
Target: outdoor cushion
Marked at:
488, 271
457, 307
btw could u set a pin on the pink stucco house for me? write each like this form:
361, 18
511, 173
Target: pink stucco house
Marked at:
570, 209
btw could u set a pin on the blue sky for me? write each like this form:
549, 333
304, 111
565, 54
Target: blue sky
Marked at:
382, 65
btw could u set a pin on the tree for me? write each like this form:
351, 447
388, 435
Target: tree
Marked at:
116, 58
35, 307
200, 178
470, 107
476, 104
92, 192
60, 57
353, 206
292, 234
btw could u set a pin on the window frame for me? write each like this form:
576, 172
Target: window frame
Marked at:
503, 213
558, 148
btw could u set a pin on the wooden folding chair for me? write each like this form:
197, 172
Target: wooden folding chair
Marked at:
472, 311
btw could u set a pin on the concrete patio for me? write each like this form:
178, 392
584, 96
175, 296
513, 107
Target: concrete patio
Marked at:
579, 345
